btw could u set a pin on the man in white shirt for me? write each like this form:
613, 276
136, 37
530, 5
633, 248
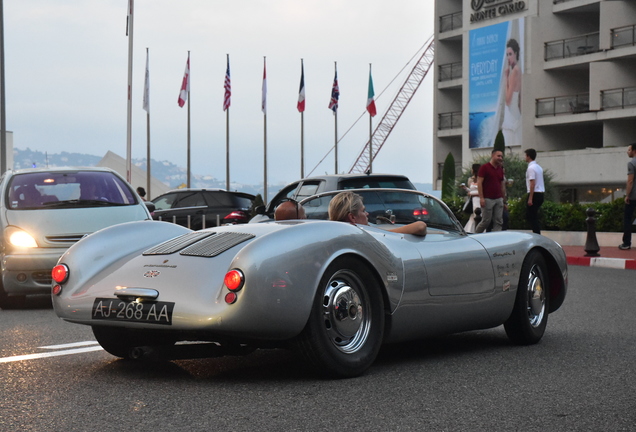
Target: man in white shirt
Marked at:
536, 190
630, 199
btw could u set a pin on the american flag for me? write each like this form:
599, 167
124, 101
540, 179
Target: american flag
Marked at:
227, 86
335, 94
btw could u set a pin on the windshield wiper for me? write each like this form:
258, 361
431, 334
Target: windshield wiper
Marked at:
80, 203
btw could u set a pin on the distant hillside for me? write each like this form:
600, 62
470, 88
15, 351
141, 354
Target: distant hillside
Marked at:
165, 171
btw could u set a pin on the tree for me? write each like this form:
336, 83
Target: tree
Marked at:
500, 142
448, 177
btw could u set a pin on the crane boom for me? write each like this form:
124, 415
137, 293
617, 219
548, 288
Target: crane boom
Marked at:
397, 107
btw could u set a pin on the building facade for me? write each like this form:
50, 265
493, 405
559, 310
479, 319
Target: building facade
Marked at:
558, 76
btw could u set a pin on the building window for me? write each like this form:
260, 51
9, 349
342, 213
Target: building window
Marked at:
452, 120
450, 22
450, 71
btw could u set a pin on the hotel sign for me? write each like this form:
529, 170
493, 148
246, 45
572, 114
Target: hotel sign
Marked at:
489, 9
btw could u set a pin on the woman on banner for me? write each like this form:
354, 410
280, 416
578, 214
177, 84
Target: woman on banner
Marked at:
511, 126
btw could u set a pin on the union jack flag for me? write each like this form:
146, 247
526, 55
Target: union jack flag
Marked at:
335, 94
227, 86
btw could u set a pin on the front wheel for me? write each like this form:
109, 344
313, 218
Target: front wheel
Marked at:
345, 328
529, 317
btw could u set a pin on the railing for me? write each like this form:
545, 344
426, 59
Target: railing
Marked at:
450, 22
572, 47
559, 1
450, 71
624, 36
573, 104
452, 120
618, 98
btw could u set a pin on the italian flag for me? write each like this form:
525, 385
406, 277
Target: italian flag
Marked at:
370, 101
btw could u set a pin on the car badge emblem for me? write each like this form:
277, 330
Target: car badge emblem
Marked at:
152, 273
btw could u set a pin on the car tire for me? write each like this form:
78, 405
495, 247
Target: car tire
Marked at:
10, 302
346, 325
526, 325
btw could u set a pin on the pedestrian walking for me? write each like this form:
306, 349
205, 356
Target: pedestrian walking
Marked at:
535, 187
630, 199
492, 192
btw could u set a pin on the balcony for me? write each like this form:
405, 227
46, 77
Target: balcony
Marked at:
618, 98
450, 22
624, 36
572, 47
451, 120
572, 104
450, 71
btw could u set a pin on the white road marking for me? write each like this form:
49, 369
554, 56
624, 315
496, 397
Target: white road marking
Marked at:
69, 345
54, 353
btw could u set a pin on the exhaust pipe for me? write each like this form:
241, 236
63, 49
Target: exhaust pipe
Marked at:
187, 351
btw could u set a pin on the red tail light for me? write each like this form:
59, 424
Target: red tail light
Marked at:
420, 212
234, 280
60, 273
237, 214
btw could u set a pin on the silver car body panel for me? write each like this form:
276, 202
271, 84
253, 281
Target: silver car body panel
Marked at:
441, 283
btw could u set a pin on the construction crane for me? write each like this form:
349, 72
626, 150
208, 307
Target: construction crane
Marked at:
393, 114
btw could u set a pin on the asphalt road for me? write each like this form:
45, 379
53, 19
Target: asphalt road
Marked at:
580, 377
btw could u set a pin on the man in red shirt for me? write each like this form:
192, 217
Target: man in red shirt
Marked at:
492, 192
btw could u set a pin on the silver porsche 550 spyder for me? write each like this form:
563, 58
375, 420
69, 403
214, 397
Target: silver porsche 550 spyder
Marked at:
333, 290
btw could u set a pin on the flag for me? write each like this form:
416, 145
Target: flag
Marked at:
335, 94
227, 86
301, 91
264, 95
370, 101
185, 85
146, 104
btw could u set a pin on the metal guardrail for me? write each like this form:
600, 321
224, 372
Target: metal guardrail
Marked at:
452, 120
624, 36
618, 98
572, 104
450, 22
572, 47
450, 71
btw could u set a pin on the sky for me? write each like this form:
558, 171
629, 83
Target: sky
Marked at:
66, 72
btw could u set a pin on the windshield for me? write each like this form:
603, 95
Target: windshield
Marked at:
45, 190
390, 206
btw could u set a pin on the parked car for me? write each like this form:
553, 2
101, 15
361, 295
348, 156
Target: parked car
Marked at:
205, 207
304, 188
333, 290
44, 211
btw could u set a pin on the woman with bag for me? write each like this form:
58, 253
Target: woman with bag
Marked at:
473, 198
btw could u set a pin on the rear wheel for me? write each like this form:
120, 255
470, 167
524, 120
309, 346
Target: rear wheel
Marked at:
529, 317
345, 328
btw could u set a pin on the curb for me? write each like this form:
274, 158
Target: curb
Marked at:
615, 263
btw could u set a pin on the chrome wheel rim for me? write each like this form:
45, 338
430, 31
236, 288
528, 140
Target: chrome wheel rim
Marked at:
345, 313
536, 297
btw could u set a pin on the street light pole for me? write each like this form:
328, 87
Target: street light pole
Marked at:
3, 115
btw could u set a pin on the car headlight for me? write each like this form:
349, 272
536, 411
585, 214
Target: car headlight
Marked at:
20, 238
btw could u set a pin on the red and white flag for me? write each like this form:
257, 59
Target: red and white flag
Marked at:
301, 91
185, 85
264, 94
370, 96
227, 86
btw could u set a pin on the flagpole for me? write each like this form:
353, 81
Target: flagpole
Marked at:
370, 132
227, 86
264, 107
129, 108
335, 114
189, 77
302, 126
147, 106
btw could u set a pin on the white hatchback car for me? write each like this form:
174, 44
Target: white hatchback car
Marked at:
45, 211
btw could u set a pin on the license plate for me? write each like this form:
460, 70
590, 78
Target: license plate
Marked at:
153, 312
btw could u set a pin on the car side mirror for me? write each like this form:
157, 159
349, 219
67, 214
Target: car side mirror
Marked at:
150, 206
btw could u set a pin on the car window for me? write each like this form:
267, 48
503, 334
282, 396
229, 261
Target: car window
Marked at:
285, 193
377, 182
59, 189
308, 189
165, 202
401, 207
243, 202
218, 199
190, 199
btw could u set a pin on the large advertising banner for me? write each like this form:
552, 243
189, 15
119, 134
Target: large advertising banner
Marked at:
496, 71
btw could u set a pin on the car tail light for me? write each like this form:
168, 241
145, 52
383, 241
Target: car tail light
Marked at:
230, 298
420, 212
60, 273
236, 215
234, 280
57, 289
